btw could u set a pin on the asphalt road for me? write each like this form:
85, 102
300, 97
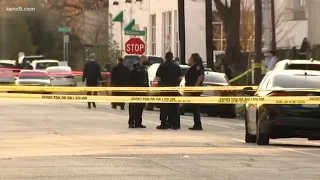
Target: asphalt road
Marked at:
66, 141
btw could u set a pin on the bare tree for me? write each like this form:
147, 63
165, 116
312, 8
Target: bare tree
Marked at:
230, 15
247, 26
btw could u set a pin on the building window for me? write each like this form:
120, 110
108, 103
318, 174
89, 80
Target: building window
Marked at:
167, 31
153, 35
145, 38
164, 32
219, 38
176, 28
302, 3
169, 36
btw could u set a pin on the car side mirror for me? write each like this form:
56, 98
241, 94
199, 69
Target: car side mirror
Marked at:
51, 78
15, 78
248, 91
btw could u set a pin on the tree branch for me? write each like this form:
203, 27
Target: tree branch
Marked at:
222, 9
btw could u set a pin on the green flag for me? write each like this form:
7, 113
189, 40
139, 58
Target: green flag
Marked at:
118, 18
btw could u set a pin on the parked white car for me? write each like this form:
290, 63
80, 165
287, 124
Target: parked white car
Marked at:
33, 78
152, 71
7, 63
43, 64
288, 64
61, 76
222, 110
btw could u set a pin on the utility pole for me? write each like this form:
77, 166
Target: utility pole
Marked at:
182, 31
258, 40
209, 34
273, 25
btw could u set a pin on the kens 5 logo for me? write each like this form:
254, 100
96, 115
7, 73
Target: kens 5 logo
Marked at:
19, 9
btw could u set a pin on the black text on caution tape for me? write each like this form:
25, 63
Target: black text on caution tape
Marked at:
235, 100
291, 102
162, 99
64, 97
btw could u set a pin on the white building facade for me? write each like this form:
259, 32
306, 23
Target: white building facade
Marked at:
160, 21
295, 20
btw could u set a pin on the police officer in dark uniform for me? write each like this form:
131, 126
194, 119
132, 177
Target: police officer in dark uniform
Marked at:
92, 76
169, 75
119, 78
138, 78
194, 77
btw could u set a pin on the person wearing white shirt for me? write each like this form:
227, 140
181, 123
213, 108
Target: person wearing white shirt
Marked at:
271, 61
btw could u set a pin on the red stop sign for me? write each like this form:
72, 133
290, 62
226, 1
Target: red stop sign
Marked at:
135, 46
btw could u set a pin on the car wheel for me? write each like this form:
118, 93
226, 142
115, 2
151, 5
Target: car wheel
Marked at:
248, 137
228, 112
149, 107
262, 138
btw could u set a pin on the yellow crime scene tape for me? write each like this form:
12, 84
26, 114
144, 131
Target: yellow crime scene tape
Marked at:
138, 89
172, 99
124, 89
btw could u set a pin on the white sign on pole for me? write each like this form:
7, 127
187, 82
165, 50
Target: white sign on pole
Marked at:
66, 38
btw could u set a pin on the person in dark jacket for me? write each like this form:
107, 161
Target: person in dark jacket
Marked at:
119, 78
138, 78
92, 76
169, 75
194, 77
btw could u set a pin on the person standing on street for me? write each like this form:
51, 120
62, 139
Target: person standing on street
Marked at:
194, 77
138, 78
119, 78
169, 75
271, 61
92, 76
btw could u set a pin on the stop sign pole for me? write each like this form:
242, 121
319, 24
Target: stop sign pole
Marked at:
135, 46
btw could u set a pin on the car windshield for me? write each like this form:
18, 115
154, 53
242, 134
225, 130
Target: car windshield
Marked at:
212, 78
32, 58
44, 65
129, 61
155, 59
315, 67
297, 81
34, 75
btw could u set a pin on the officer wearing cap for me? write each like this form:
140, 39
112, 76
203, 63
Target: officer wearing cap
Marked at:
194, 77
138, 78
169, 75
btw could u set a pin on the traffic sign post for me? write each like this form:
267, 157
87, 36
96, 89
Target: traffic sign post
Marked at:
135, 46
